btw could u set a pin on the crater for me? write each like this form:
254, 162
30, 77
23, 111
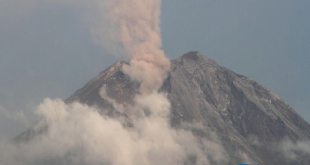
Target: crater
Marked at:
192, 55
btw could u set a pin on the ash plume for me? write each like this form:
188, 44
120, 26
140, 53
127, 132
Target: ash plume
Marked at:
137, 23
77, 134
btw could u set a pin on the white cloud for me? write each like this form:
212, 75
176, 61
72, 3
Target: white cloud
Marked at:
18, 116
292, 150
77, 134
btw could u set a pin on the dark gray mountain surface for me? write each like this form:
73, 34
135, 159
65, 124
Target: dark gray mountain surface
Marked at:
249, 120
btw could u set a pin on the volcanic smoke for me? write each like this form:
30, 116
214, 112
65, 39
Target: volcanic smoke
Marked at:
77, 134
138, 25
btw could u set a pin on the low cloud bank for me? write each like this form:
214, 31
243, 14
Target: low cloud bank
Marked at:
78, 134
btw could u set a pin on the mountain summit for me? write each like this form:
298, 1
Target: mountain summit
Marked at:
250, 121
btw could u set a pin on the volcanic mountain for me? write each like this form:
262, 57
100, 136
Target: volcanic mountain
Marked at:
248, 119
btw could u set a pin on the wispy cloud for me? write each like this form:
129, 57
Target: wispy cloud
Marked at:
293, 150
18, 116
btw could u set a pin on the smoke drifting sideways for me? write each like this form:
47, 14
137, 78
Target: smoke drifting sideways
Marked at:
77, 134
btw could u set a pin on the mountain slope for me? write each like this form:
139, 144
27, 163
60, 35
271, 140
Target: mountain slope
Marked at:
237, 108
248, 119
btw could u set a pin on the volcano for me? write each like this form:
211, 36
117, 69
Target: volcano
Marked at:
248, 119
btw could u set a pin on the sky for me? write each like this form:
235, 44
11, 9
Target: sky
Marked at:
47, 51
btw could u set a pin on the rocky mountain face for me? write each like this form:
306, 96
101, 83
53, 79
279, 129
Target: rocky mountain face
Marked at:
249, 120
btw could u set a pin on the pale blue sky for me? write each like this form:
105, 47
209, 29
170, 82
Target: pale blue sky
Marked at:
46, 49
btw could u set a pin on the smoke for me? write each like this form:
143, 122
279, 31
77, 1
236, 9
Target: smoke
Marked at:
123, 27
78, 134
137, 27
292, 150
